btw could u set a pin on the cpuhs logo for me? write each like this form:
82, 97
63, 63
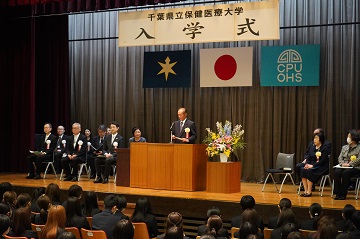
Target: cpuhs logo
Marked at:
289, 67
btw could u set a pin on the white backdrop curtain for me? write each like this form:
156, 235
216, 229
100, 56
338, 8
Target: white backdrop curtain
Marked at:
106, 85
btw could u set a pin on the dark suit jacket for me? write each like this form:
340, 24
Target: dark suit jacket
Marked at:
43, 145
109, 147
106, 221
59, 145
276, 233
79, 222
272, 222
181, 134
308, 224
79, 151
95, 142
36, 219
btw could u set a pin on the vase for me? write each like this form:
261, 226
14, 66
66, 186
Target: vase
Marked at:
223, 158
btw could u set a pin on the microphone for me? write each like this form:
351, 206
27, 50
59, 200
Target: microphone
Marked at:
172, 125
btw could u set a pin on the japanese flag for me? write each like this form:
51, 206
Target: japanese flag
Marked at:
224, 67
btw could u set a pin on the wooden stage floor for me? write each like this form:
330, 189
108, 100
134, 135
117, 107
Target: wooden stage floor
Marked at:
195, 204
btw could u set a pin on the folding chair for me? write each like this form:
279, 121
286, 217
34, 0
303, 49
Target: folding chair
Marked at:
74, 231
9, 237
284, 165
140, 230
267, 233
37, 228
93, 234
233, 230
51, 163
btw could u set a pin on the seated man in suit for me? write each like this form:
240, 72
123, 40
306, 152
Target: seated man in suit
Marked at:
246, 202
109, 155
44, 152
60, 147
107, 219
96, 149
74, 153
183, 130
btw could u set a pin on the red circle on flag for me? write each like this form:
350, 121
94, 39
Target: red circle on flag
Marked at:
225, 67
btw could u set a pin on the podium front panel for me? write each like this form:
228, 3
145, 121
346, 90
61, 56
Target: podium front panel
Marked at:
138, 165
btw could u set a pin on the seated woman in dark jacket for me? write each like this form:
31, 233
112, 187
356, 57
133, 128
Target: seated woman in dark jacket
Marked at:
74, 217
141, 214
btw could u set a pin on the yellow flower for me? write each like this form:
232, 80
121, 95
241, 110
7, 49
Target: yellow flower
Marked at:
352, 158
318, 154
187, 130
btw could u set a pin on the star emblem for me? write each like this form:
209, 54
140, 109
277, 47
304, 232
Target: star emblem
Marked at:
167, 67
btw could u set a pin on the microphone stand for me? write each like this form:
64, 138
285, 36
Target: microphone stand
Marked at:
171, 140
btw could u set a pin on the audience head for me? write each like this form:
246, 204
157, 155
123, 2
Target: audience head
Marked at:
251, 215
286, 216
174, 219
214, 224
10, 198
247, 229
287, 229
247, 201
66, 235
22, 220
53, 192
111, 202
356, 219
213, 211
122, 203
23, 200
91, 202
5, 186
348, 211
174, 233
43, 202
328, 230
140, 209
123, 229
5, 209
315, 210
72, 208
284, 203
325, 220
4, 224
295, 235
75, 191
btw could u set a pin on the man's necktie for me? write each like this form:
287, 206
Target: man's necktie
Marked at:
181, 125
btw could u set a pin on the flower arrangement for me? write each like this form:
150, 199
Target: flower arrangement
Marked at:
225, 140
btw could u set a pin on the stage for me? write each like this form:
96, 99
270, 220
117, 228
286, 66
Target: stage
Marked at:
193, 205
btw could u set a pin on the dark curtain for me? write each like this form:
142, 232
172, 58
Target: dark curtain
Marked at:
34, 73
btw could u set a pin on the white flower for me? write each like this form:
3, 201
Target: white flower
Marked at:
80, 142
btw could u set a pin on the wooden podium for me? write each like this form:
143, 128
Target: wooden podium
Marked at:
168, 166
223, 177
123, 167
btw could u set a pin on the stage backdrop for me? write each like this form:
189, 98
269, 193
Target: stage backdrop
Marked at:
275, 119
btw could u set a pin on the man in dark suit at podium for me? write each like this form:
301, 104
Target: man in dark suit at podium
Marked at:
183, 130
